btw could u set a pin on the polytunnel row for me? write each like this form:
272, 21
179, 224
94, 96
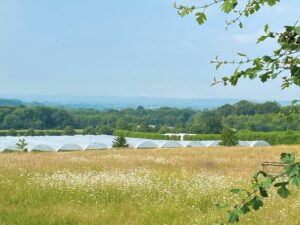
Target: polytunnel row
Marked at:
102, 142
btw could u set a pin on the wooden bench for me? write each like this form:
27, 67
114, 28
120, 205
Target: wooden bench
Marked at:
273, 168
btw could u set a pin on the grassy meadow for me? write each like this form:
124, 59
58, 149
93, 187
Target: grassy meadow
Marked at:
135, 187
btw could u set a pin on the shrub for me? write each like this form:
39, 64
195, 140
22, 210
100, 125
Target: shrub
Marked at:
120, 142
22, 145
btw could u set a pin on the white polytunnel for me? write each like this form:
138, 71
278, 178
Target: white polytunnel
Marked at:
145, 145
171, 144
254, 143
211, 143
70, 147
10, 148
41, 148
194, 144
99, 142
96, 146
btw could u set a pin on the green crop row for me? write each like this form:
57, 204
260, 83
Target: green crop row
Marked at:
34, 132
273, 138
154, 136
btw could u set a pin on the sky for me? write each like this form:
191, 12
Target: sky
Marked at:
128, 48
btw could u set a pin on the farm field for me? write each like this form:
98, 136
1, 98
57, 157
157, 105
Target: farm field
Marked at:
135, 187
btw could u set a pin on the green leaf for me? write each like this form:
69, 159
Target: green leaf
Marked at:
218, 65
263, 192
262, 173
291, 170
297, 30
183, 10
200, 17
283, 192
241, 25
261, 39
295, 180
265, 76
232, 217
267, 58
272, 2
256, 203
281, 184
267, 183
228, 5
245, 209
295, 71
241, 54
287, 158
266, 28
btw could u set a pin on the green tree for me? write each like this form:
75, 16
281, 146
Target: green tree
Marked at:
107, 130
213, 126
121, 124
245, 108
143, 127
69, 130
267, 108
89, 131
228, 137
225, 110
164, 130
120, 142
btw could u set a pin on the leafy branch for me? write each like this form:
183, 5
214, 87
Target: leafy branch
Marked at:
262, 182
235, 7
285, 58
284, 62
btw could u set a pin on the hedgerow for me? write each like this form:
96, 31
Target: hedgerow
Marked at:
273, 138
155, 136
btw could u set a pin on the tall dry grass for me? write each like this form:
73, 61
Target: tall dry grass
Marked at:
160, 186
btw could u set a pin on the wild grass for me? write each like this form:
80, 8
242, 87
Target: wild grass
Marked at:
116, 187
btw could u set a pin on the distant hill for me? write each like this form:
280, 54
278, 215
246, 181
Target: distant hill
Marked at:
10, 102
114, 102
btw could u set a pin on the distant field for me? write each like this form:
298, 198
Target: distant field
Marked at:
134, 187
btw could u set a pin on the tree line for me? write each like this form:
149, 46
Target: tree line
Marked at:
244, 115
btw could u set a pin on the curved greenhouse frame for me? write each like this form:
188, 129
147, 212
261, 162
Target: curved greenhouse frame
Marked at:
171, 144
194, 144
211, 143
145, 145
70, 147
42, 148
254, 143
96, 146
